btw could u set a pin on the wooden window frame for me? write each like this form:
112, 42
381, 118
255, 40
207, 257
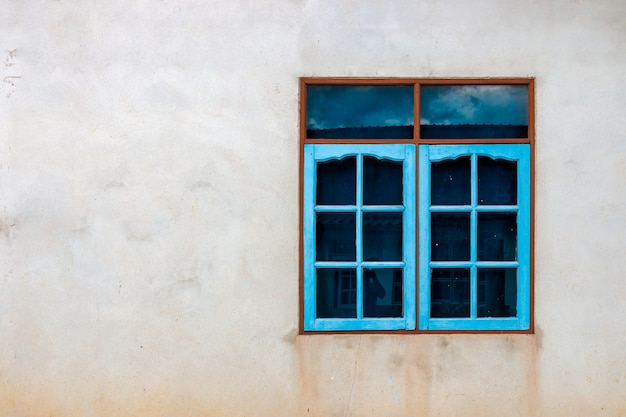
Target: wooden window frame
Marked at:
417, 141
323, 152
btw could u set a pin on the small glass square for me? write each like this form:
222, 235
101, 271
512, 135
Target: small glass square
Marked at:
336, 293
450, 293
450, 237
497, 292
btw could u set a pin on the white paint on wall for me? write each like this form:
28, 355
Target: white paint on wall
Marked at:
149, 235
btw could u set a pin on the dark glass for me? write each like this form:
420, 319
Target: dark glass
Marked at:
451, 182
397, 289
336, 293
380, 285
497, 292
336, 237
497, 181
359, 111
473, 111
450, 237
382, 181
336, 182
382, 236
450, 293
497, 236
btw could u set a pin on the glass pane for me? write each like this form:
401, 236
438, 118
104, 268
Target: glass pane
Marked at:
473, 111
450, 237
382, 182
382, 236
336, 293
450, 182
450, 293
382, 292
497, 236
359, 111
497, 181
497, 293
336, 182
336, 237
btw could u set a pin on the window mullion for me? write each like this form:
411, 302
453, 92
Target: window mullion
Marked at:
409, 238
359, 235
423, 208
474, 237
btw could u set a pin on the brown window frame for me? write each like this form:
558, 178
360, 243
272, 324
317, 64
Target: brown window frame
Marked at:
416, 140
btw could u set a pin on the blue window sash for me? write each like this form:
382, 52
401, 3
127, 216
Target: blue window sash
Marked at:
512, 152
314, 153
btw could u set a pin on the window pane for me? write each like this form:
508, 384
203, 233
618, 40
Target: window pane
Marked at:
382, 236
473, 111
497, 181
450, 293
359, 112
336, 182
382, 182
497, 236
336, 293
450, 182
450, 237
336, 237
380, 289
497, 293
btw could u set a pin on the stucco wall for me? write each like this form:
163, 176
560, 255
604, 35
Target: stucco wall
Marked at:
149, 209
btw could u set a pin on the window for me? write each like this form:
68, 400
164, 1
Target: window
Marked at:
474, 237
410, 226
359, 227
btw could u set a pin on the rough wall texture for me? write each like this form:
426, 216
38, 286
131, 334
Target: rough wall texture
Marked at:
149, 209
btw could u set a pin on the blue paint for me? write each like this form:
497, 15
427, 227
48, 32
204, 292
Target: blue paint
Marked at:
437, 153
314, 154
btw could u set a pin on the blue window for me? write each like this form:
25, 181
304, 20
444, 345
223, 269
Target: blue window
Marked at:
359, 237
416, 217
474, 232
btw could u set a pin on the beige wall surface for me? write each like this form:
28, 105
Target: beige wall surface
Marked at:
149, 209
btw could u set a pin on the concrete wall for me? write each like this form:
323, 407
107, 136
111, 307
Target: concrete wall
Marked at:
149, 209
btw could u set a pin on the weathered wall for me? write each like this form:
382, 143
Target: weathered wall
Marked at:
149, 209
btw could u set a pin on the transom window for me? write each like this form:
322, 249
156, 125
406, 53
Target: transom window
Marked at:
416, 226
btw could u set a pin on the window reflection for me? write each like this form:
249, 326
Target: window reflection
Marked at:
450, 293
382, 236
382, 292
359, 112
342, 288
382, 181
336, 182
450, 182
497, 292
336, 293
497, 236
450, 237
497, 181
473, 111
336, 237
